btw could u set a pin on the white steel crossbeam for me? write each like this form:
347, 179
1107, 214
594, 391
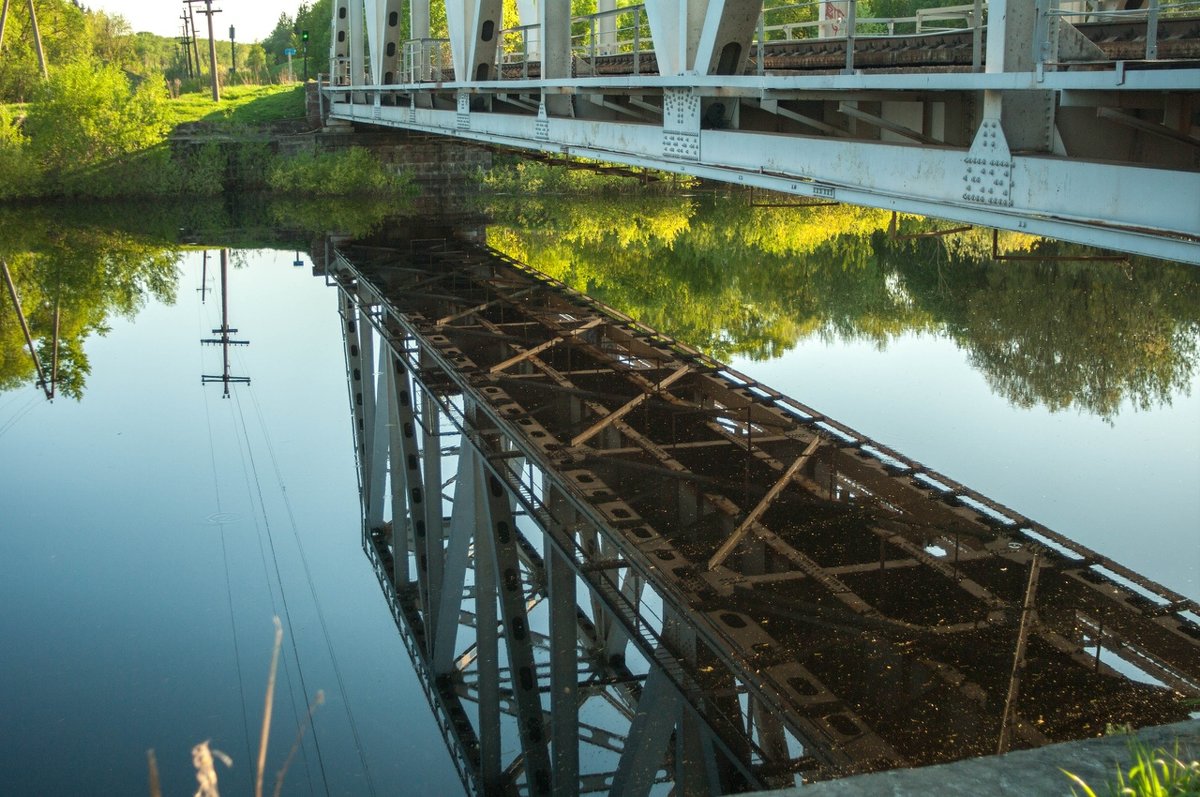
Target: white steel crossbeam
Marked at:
1130, 208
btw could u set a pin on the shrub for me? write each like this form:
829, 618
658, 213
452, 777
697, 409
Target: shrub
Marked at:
19, 173
86, 115
350, 171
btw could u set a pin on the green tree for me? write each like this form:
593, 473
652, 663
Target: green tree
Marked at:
65, 39
280, 38
19, 174
316, 19
84, 279
740, 280
86, 115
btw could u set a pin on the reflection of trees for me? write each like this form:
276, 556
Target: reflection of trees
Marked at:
732, 279
741, 280
106, 260
84, 275
1063, 334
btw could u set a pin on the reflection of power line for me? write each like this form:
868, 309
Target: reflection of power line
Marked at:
203, 289
224, 341
42, 382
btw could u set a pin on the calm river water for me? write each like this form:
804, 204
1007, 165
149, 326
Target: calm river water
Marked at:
150, 528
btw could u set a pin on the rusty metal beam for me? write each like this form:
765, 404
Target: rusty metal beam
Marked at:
541, 347
628, 407
752, 519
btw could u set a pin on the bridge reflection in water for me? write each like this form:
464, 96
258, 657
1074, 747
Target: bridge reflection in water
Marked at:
657, 571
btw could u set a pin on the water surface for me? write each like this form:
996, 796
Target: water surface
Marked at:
151, 528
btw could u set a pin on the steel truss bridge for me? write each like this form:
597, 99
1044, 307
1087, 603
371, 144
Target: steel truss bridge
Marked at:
658, 573
1045, 116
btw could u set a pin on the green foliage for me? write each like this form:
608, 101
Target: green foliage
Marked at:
316, 18
752, 281
350, 171
19, 176
85, 116
1152, 773
520, 176
314, 216
88, 277
65, 39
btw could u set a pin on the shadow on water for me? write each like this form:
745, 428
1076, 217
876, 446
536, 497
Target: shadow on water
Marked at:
740, 280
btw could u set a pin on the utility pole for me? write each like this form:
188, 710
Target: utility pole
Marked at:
37, 35
232, 52
224, 341
37, 40
186, 41
43, 383
195, 38
203, 289
212, 49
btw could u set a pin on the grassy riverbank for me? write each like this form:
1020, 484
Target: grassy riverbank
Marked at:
88, 133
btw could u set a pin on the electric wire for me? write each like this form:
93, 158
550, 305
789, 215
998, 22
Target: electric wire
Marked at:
237, 656
337, 670
20, 415
267, 581
279, 579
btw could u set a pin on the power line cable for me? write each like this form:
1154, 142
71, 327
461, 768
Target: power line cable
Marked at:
313, 591
279, 578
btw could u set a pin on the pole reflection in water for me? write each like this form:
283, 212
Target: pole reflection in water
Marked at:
657, 571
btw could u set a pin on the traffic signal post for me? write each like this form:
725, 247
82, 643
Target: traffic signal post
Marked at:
304, 50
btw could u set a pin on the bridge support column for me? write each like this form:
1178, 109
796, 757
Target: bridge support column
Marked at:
564, 653
1027, 117
434, 550
466, 520
497, 541
379, 439
356, 72
474, 27
339, 67
403, 461
707, 37
383, 16
554, 23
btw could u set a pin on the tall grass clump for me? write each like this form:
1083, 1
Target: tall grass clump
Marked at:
578, 176
1154, 772
204, 757
345, 172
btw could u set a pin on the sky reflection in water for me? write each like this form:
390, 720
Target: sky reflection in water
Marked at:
140, 507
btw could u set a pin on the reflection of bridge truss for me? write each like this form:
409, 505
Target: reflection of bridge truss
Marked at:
656, 569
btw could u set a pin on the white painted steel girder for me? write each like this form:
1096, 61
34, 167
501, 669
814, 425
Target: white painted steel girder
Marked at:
1147, 211
383, 20
474, 30
690, 35
339, 43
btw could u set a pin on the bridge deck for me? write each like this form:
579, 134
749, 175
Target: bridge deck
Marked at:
1178, 39
885, 614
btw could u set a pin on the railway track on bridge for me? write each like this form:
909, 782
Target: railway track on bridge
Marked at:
1178, 39
825, 604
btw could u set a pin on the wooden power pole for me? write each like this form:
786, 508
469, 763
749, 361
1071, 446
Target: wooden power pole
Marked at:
37, 35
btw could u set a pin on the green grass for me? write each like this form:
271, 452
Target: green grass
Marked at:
240, 105
1153, 773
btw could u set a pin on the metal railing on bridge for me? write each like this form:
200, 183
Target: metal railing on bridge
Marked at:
619, 41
